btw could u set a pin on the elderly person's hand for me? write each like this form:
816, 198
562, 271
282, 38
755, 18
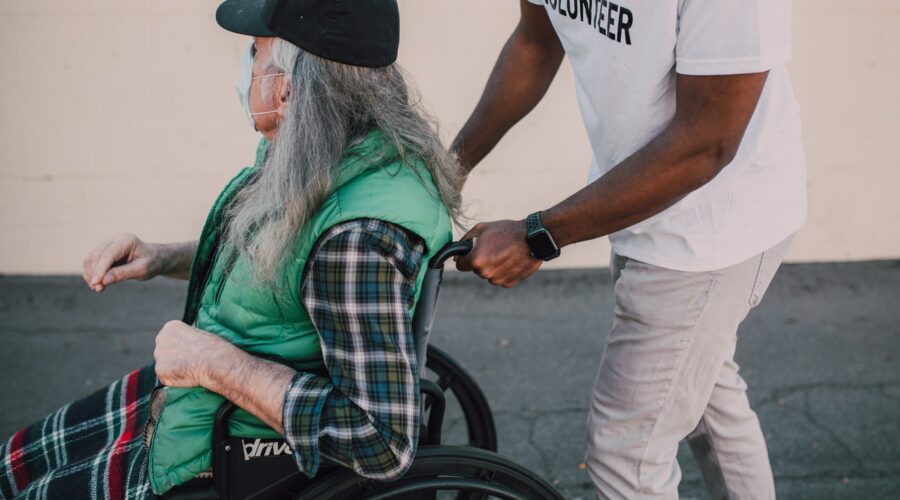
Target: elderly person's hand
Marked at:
127, 257
500, 254
185, 355
122, 257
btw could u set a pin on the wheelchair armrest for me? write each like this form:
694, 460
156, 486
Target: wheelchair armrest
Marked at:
220, 446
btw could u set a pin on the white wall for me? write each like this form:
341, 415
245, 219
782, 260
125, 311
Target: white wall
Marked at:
122, 116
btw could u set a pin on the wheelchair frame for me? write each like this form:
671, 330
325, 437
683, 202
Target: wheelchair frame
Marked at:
475, 469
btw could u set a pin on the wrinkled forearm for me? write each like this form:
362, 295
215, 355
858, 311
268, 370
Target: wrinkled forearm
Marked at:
379, 445
255, 384
177, 258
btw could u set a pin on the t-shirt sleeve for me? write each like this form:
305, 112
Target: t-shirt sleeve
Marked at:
537, 2
726, 37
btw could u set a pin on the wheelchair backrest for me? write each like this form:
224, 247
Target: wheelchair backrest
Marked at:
424, 317
431, 284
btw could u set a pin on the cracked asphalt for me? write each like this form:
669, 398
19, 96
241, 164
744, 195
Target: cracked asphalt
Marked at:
821, 355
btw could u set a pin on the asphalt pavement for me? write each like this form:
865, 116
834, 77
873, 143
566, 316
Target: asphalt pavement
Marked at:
821, 355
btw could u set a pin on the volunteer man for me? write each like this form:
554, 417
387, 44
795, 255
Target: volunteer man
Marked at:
698, 178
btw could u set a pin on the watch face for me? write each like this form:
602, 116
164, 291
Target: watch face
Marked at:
542, 245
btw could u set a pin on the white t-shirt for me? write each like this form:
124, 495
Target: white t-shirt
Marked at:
625, 54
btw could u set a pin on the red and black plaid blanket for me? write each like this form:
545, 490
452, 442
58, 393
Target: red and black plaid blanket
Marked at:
91, 448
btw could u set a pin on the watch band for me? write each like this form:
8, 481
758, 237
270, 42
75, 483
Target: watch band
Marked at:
533, 222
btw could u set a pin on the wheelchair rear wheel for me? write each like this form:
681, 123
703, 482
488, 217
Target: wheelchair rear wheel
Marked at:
441, 472
476, 413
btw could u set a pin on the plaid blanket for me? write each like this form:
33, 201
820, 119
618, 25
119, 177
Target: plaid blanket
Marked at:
91, 448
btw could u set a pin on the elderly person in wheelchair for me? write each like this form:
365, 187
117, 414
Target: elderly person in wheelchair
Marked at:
302, 284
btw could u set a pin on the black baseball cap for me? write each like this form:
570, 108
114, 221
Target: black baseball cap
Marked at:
356, 32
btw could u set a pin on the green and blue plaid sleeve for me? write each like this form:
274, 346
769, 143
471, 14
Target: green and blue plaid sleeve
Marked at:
358, 288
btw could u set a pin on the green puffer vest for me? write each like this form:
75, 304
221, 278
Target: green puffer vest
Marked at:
272, 321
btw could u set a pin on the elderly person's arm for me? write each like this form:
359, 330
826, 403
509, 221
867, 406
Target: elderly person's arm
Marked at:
358, 290
127, 257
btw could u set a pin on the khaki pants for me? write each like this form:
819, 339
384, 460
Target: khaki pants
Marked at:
668, 369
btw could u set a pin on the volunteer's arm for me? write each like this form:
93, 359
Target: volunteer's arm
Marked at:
520, 78
712, 113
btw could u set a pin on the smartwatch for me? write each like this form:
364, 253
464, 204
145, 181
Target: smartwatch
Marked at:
539, 239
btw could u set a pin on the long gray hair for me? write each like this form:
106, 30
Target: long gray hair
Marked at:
331, 107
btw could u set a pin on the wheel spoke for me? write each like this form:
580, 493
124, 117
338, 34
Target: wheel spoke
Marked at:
452, 379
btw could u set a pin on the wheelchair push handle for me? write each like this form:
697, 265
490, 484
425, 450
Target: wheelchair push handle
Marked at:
461, 247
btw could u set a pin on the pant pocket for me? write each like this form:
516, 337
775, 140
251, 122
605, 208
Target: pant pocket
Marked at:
769, 262
616, 264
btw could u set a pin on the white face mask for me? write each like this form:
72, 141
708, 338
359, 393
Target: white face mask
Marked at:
245, 80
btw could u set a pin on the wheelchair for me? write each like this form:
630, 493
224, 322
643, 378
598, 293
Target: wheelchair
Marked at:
265, 469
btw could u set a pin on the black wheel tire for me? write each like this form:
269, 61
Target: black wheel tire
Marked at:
482, 433
470, 471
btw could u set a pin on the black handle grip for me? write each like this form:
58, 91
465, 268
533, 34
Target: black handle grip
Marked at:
461, 247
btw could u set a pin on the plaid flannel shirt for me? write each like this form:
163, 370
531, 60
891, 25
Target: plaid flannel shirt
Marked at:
358, 288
